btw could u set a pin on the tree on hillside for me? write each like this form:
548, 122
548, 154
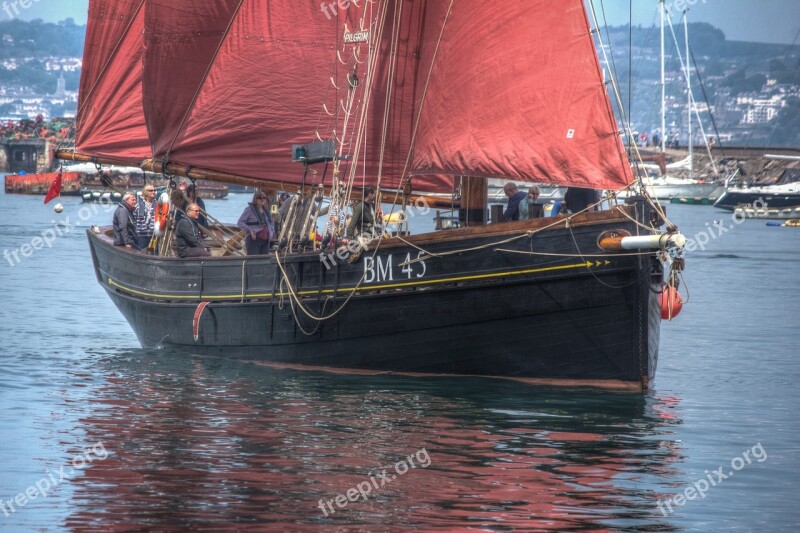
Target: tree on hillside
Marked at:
788, 124
780, 72
739, 82
37, 38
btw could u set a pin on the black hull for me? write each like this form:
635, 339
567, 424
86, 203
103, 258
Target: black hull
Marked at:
583, 319
731, 199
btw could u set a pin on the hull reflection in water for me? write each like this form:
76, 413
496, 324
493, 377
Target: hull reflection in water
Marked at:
217, 444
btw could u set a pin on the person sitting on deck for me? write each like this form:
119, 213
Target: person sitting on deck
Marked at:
125, 222
187, 234
363, 220
191, 197
191, 193
515, 196
528, 208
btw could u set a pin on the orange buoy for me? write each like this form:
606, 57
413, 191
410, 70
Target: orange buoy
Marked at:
670, 301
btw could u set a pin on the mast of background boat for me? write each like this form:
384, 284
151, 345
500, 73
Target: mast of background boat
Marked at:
693, 104
663, 10
688, 92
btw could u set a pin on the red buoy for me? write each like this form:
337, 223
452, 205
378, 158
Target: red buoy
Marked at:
670, 302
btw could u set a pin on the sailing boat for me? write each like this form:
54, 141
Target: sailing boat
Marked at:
666, 187
407, 97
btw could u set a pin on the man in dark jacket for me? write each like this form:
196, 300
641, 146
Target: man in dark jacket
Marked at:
187, 234
578, 199
125, 222
515, 196
363, 221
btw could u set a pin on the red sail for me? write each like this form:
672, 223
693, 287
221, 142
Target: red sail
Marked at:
180, 41
513, 91
110, 116
516, 91
263, 92
266, 86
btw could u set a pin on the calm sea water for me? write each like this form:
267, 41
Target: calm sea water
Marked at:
123, 438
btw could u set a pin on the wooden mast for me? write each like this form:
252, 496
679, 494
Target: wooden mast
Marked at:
474, 201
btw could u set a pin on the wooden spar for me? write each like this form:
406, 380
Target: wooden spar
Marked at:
643, 242
176, 169
474, 199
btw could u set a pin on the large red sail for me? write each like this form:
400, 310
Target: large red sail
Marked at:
180, 42
242, 99
512, 91
516, 91
263, 92
110, 114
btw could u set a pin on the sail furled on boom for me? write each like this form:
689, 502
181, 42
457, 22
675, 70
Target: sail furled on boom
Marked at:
510, 89
110, 119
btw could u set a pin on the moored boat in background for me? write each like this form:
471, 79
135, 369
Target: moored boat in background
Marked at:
40, 183
782, 194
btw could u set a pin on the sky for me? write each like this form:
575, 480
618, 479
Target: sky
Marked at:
769, 21
766, 21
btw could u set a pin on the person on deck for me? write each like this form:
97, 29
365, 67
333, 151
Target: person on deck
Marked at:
515, 196
363, 220
528, 208
145, 216
191, 193
124, 223
257, 223
578, 199
188, 235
